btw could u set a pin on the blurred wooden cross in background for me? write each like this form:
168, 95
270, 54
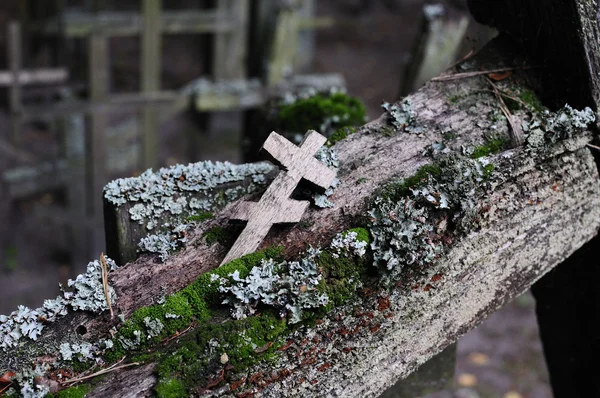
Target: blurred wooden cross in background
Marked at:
276, 206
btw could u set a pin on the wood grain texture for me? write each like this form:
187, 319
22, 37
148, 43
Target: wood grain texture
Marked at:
275, 206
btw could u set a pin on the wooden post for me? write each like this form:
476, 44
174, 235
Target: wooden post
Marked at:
230, 49
73, 136
15, 65
306, 38
151, 67
283, 45
96, 137
562, 36
568, 304
435, 47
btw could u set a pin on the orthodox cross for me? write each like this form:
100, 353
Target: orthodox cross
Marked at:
275, 206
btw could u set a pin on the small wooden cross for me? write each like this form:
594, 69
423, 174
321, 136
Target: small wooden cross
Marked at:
275, 206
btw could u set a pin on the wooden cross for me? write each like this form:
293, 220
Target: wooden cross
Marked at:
275, 206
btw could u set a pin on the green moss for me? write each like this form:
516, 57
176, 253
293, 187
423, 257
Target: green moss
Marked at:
223, 235
342, 276
511, 104
454, 99
531, 99
449, 136
488, 169
190, 304
493, 145
400, 188
387, 131
245, 342
200, 217
72, 392
362, 234
170, 388
310, 113
341, 134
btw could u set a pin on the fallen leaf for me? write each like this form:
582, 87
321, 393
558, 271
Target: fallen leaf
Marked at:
467, 380
263, 348
479, 358
512, 394
500, 75
7, 376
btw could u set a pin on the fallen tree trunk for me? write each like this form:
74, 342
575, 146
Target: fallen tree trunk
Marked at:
496, 220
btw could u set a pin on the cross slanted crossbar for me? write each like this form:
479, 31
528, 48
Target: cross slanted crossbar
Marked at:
275, 206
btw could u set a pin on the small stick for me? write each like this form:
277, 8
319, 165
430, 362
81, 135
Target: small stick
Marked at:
469, 55
502, 93
179, 334
105, 283
477, 73
6, 388
101, 372
517, 132
594, 146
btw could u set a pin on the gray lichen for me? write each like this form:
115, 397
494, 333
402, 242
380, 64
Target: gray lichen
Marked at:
402, 116
410, 222
164, 243
153, 327
290, 287
176, 192
82, 352
170, 189
88, 291
328, 157
347, 243
26, 379
552, 127
86, 294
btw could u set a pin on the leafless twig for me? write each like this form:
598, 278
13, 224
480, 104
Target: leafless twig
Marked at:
111, 368
594, 146
469, 55
515, 128
502, 93
5, 388
464, 75
105, 283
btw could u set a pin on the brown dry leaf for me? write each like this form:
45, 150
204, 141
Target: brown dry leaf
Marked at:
263, 348
500, 75
7, 376
467, 380
512, 394
479, 358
